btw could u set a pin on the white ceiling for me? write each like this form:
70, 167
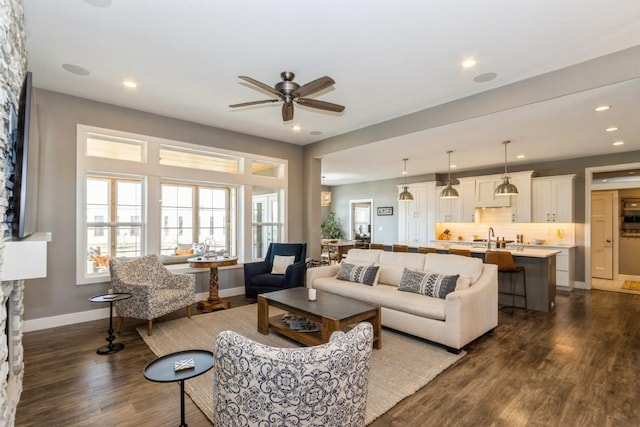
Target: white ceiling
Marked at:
388, 59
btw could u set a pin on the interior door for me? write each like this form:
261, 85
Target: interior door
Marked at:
602, 234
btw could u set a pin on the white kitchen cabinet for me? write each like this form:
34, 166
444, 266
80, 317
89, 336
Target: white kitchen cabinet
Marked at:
467, 200
521, 204
447, 210
552, 199
485, 192
565, 271
413, 216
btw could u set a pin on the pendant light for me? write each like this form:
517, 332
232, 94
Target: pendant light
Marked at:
449, 192
325, 196
506, 188
405, 196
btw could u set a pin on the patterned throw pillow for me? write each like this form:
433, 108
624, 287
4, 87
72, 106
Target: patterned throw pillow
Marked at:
365, 274
425, 283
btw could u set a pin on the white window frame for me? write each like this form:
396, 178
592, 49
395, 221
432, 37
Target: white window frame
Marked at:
154, 173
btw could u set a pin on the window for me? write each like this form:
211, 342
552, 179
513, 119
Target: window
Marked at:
138, 194
113, 226
196, 214
267, 224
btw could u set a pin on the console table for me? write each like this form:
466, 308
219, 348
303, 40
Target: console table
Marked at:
213, 262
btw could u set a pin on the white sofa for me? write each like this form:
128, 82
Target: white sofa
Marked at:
467, 313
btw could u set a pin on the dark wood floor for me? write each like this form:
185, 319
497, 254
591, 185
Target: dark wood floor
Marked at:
577, 367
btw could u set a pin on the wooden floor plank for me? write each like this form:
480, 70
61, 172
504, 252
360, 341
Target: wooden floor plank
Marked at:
577, 366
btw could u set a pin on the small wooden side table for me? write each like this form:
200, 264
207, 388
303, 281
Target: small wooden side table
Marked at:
213, 302
110, 298
162, 370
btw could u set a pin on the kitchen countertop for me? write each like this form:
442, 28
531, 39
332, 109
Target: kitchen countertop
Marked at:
511, 245
525, 252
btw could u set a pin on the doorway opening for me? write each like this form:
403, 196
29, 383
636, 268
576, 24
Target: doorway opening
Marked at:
361, 221
612, 237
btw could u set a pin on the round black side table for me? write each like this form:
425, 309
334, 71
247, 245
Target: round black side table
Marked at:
110, 298
162, 370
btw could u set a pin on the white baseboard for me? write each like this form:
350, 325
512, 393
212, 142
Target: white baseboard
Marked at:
101, 313
581, 285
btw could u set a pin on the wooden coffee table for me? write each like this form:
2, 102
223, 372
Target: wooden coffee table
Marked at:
332, 312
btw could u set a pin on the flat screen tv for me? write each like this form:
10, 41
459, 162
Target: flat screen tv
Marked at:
25, 179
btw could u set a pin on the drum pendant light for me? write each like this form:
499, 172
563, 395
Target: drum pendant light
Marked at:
405, 196
449, 192
506, 188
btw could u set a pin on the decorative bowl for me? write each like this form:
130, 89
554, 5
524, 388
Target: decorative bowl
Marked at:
537, 241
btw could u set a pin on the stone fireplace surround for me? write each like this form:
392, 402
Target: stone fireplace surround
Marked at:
11, 351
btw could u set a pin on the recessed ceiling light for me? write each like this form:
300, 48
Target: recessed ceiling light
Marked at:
520, 156
130, 84
468, 63
602, 108
315, 132
98, 3
485, 77
76, 69
296, 128
453, 166
605, 180
618, 143
611, 129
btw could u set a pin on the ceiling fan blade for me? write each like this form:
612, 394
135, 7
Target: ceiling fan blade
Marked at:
261, 85
322, 105
287, 111
246, 104
313, 86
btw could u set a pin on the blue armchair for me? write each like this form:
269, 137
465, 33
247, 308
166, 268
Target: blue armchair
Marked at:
257, 275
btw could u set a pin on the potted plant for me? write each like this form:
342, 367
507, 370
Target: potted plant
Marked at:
331, 227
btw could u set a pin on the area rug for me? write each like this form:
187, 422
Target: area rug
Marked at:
399, 369
631, 284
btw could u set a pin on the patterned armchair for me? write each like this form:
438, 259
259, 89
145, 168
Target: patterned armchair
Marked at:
257, 275
325, 385
155, 291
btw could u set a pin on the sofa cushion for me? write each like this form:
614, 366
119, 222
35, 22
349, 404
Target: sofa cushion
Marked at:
453, 264
363, 256
425, 283
385, 296
357, 273
392, 265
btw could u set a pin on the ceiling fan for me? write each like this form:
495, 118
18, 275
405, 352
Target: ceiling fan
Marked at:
289, 92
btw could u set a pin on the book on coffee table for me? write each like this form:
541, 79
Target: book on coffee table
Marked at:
300, 323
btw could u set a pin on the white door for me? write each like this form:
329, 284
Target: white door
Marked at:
602, 234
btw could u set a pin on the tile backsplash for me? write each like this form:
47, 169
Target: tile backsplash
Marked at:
500, 220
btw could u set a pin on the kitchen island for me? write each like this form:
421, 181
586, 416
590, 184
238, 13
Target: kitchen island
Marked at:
540, 271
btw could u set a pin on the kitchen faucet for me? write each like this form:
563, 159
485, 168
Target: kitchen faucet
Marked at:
491, 233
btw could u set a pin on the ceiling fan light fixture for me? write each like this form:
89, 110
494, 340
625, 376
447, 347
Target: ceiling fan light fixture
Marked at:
449, 192
405, 195
506, 188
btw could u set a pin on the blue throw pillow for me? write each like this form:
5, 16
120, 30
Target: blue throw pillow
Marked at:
365, 274
430, 284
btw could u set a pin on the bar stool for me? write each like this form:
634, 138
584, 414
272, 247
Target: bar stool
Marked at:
400, 248
376, 246
425, 250
462, 252
506, 264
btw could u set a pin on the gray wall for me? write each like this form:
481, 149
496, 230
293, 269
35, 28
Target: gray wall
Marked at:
385, 193
58, 116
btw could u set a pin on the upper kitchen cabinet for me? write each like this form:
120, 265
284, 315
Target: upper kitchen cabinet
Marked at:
447, 210
485, 192
486, 198
521, 204
467, 200
552, 198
